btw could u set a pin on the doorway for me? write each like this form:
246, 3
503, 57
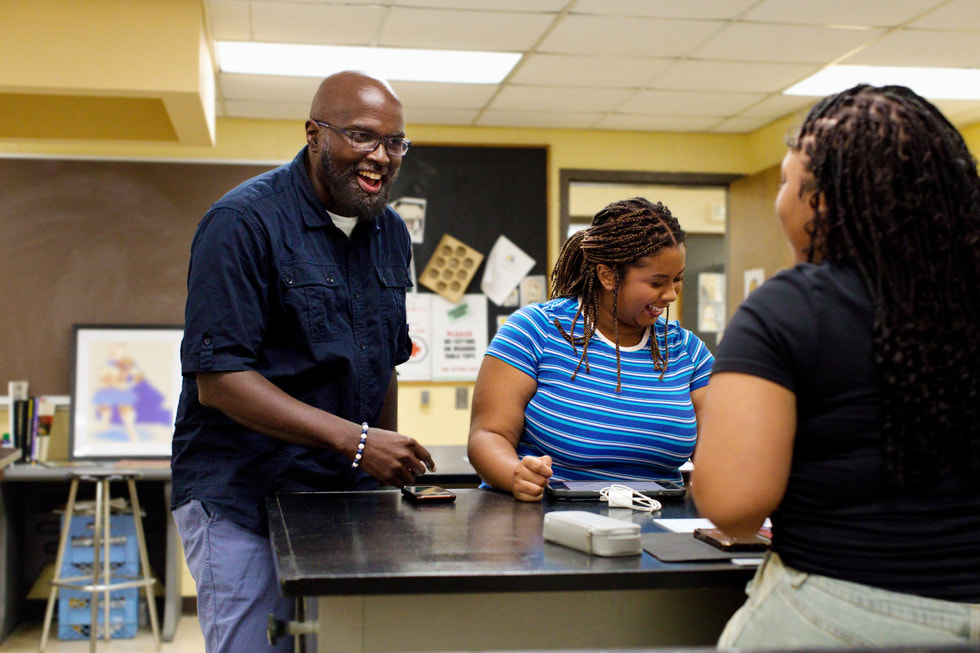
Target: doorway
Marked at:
700, 203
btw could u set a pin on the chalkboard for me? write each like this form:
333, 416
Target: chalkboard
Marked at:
108, 242
475, 194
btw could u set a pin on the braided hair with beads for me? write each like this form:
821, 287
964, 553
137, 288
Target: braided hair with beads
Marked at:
901, 203
621, 234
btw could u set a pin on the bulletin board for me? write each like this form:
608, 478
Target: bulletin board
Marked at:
474, 195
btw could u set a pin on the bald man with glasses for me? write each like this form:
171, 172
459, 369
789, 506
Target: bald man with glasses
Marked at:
295, 321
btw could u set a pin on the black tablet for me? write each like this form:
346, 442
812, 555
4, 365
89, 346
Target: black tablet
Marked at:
589, 490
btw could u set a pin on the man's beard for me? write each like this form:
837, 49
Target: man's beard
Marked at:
349, 199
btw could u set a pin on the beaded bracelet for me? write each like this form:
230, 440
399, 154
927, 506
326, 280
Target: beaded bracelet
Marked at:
360, 446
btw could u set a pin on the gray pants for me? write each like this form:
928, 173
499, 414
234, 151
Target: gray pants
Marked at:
236, 582
791, 609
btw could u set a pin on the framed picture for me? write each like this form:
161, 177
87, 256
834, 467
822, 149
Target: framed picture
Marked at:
125, 385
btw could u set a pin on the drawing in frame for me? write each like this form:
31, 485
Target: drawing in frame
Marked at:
124, 390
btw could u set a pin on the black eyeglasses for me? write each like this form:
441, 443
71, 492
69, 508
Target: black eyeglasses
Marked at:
368, 142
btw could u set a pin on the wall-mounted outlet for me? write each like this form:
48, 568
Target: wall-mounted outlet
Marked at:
462, 398
424, 399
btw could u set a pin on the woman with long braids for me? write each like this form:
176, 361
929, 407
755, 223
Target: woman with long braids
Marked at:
844, 401
595, 384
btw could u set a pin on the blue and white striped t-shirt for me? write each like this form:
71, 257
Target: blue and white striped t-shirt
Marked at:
646, 431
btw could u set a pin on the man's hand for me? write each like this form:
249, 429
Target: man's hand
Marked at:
393, 458
530, 477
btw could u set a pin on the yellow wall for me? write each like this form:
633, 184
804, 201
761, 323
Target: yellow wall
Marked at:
278, 141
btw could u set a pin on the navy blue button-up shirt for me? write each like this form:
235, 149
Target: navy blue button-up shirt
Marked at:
274, 287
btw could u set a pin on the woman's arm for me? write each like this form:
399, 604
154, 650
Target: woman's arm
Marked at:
697, 400
746, 429
501, 394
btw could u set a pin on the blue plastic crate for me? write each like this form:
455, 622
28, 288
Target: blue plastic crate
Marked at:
75, 613
123, 545
84, 569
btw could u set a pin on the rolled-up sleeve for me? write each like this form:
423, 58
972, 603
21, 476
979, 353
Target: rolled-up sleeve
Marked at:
227, 287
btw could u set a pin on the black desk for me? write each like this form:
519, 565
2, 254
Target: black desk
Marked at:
8, 455
477, 574
29, 531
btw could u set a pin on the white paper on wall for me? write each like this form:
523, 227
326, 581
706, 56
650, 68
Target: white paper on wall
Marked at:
711, 301
459, 336
418, 307
753, 279
505, 266
533, 289
412, 210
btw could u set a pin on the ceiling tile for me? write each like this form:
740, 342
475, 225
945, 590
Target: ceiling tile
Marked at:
665, 65
739, 125
689, 103
450, 96
627, 36
229, 20
601, 72
542, 98
955, 15
315, 24
497, 31
546, 120
234, 86
959, 112
879, 13
439, 116
553, 6
702, 9
732, 76
267, 110
783, 43
917, 47
777, 106
657, 123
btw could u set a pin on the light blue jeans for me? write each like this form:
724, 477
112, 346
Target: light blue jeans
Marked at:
791, 609
236, 582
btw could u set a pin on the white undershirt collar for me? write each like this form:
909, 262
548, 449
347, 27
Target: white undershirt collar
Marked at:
343, 223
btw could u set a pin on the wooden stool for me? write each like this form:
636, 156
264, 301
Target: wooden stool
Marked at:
101, 580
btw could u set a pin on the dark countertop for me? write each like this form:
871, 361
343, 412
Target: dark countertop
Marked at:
360, 543
452, 468
59, 471
8, 455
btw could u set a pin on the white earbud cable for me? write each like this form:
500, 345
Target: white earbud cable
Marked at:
622, 496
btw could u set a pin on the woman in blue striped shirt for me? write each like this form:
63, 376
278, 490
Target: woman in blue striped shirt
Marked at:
595, 384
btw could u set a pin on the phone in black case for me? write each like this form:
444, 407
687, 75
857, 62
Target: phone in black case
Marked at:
428, 494
722, 540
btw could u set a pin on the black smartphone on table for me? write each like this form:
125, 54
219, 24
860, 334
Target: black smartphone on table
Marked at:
428, 494
722, 540
589, 490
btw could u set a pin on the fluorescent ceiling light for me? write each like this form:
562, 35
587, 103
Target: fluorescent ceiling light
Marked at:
456, 66
932, 83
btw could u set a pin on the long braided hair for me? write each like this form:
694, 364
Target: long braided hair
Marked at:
621, 234
902, 199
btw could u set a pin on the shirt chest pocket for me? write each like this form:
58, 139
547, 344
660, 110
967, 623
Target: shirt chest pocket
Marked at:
395, 282
314, 297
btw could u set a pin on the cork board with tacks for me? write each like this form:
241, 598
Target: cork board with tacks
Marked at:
451, 268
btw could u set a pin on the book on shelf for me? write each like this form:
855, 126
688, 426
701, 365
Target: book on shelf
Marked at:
31, 419
42, 434
17, 391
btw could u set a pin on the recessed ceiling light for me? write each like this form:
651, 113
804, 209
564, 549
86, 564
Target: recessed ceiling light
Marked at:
451, 66
932, 83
